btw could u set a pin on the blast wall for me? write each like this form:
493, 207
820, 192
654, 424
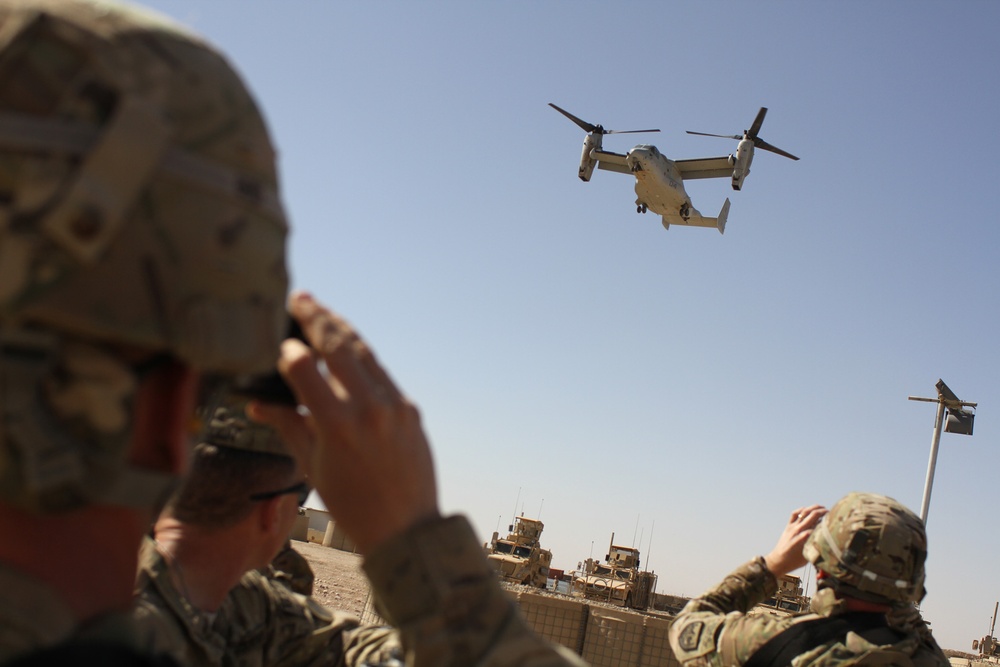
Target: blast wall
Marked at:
603, 636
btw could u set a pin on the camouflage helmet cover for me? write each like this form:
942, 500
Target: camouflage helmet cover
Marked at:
872, 547
138, 191
139, 215
226, 425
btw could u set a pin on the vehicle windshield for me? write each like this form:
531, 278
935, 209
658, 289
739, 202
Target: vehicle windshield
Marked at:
504, 547
523, 552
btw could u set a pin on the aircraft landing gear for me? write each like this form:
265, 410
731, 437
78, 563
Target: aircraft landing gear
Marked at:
641, 208
685, 211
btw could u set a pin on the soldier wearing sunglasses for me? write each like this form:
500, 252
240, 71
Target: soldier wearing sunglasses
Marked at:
204, 594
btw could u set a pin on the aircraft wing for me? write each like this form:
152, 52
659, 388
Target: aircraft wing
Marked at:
610, 161
706, 167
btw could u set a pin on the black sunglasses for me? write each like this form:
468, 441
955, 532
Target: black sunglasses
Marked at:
302, 488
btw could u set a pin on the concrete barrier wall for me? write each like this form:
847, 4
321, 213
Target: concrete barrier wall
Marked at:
603, 636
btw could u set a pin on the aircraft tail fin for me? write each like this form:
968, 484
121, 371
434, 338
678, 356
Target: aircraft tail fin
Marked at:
723, 216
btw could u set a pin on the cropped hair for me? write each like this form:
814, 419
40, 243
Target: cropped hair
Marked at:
216, 492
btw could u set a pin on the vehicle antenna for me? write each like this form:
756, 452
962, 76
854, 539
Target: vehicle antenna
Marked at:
515, 505
540, 509
636, 529
649, 545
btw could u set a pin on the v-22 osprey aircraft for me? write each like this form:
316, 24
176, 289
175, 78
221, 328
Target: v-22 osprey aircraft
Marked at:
659, 181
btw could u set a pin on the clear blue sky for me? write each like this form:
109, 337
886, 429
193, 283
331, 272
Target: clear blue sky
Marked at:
682, 389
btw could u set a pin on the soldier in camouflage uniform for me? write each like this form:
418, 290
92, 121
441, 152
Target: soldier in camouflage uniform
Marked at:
141, 244
200, 595
291, 568
869, 554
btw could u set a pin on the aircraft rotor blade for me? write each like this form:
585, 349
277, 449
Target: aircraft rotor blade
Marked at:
763, 145
723, 136
627, 131
757, 122
584, 125
590, 128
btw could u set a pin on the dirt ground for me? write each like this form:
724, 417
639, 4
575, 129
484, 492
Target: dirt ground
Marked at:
340, 583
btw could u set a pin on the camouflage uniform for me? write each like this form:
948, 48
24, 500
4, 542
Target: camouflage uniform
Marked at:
433, 583
871, 548
291, 568
261, 622
33, 615
713, 630
140, 224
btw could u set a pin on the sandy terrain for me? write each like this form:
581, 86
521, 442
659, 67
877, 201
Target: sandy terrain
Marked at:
340, 583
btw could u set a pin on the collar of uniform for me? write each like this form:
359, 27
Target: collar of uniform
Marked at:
826, 603
32, 615
155, 580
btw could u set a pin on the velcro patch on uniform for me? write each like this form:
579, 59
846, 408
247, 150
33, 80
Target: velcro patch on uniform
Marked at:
691, 635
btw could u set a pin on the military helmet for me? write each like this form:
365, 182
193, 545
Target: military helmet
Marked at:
139, 217
872, 548
226, 425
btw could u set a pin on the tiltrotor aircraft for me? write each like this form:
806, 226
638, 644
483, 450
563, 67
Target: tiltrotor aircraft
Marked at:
659, 181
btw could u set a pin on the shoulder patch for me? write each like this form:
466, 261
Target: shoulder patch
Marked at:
694, 636
691, 635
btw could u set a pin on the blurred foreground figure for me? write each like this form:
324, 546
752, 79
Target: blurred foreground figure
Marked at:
200, 594
141, 244
869, 554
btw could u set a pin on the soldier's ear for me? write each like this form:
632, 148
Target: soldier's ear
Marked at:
268, 515
163, 407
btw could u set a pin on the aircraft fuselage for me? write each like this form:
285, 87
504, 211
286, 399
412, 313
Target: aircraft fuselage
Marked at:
658, 183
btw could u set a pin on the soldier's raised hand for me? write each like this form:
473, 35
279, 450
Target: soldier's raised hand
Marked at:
360, 441
787, 553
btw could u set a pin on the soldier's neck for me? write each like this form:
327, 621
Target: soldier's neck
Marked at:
854, 604
87, 557
204, 565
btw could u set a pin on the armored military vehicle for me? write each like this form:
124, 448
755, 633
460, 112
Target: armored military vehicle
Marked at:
988, 646
618, 580
788, 599
519, 558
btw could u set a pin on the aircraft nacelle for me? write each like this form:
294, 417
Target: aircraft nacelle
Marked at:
741, 160
587, 161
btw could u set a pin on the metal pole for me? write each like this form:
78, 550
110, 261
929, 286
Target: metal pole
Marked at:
932, 462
